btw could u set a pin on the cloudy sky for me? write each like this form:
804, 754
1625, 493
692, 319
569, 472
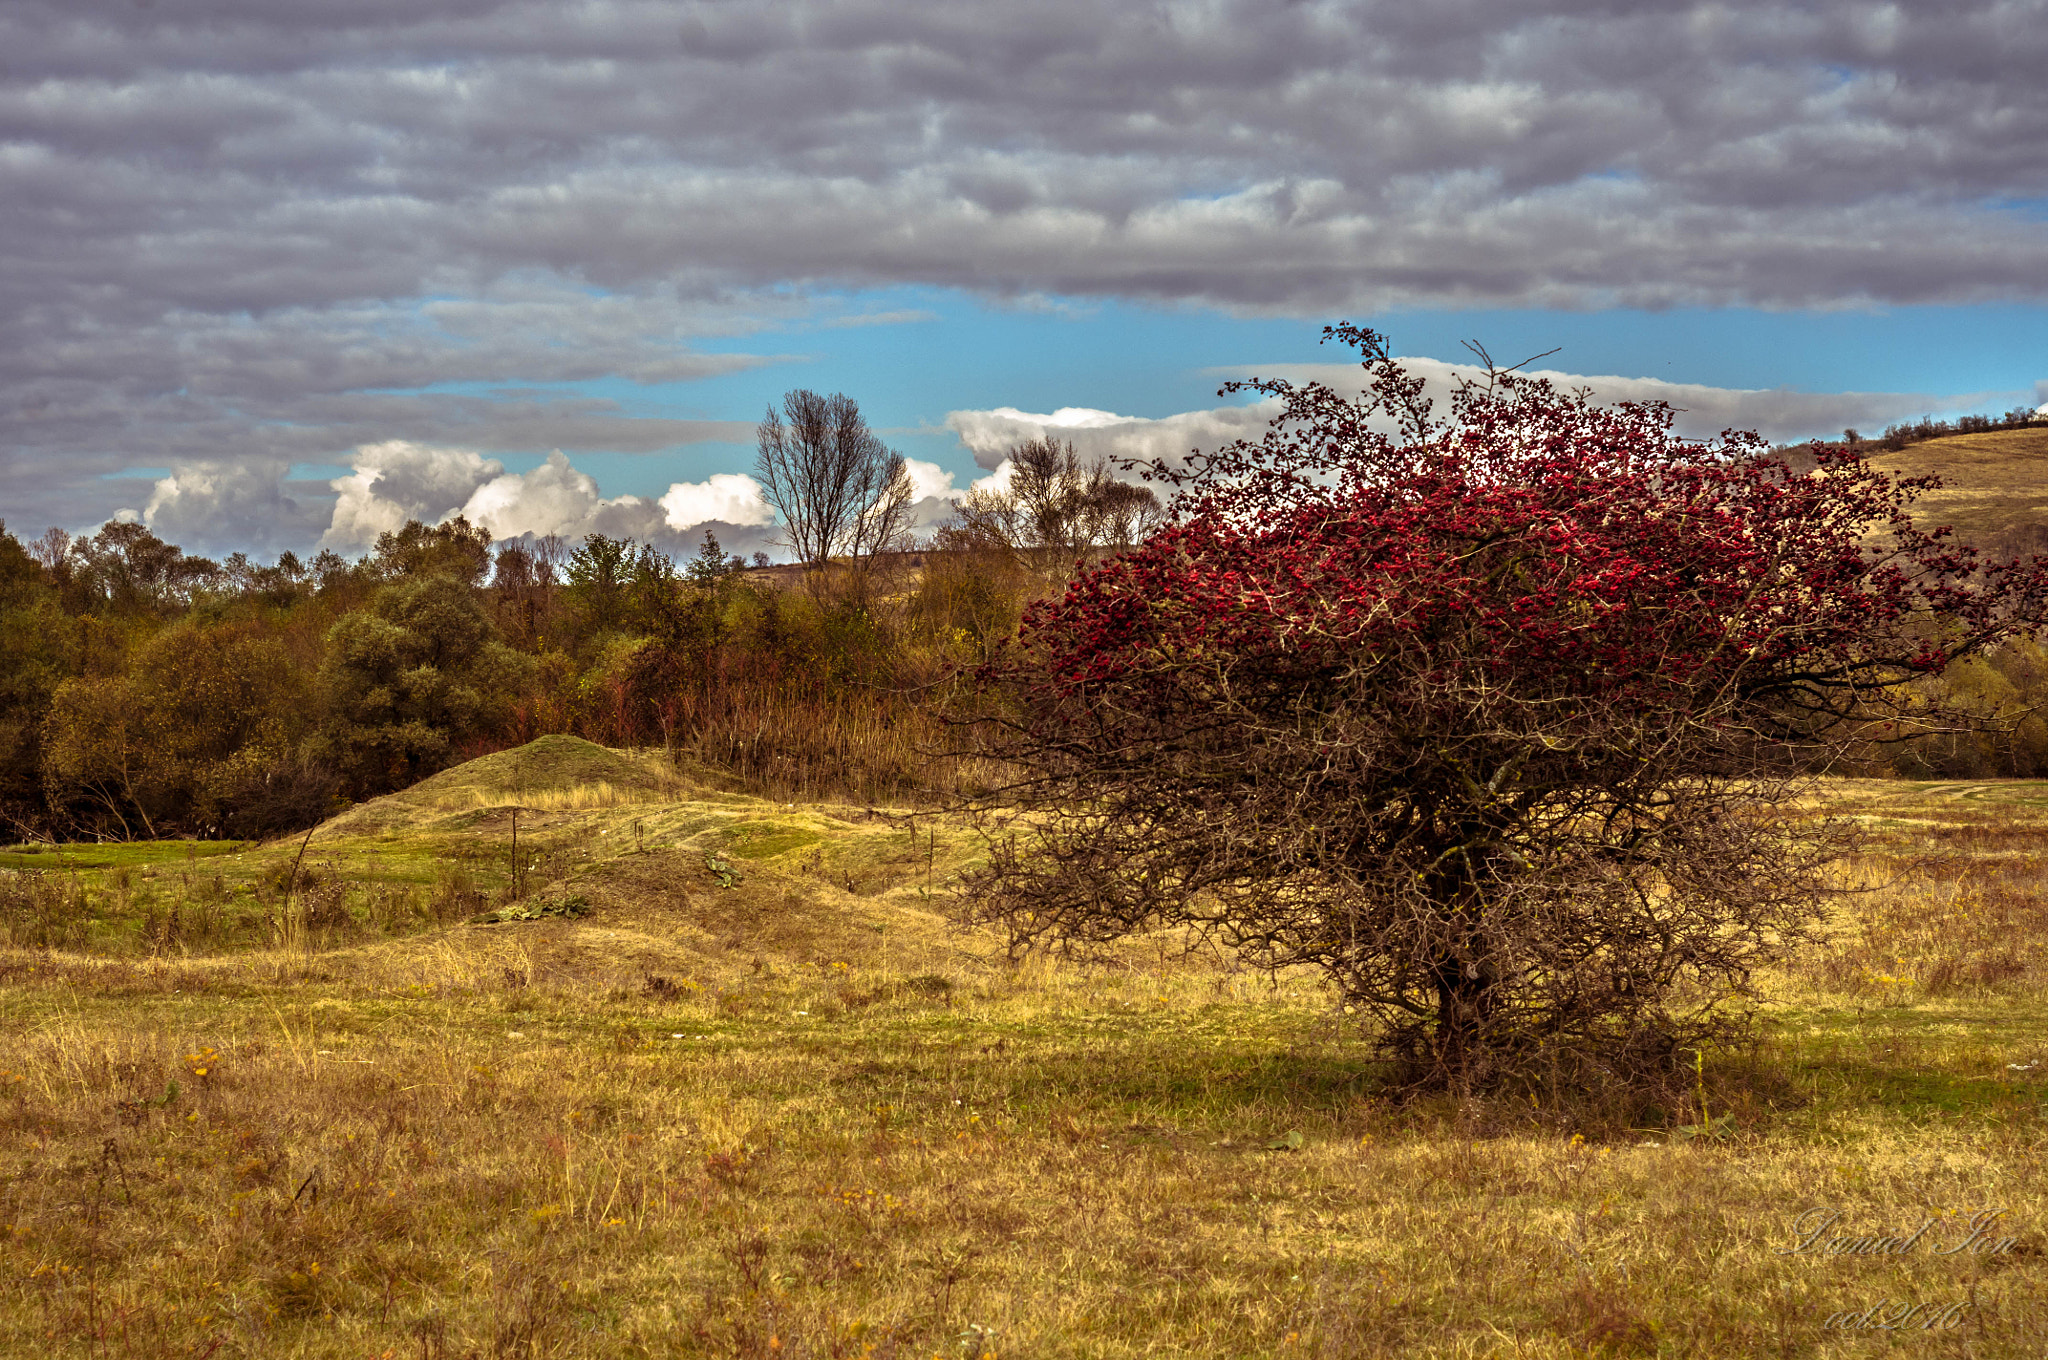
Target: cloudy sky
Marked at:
281, 273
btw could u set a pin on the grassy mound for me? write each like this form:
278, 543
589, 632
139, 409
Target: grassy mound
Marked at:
554, 767
550, 774
674, 880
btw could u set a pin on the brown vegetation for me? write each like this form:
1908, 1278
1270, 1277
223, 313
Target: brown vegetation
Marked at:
802, 1116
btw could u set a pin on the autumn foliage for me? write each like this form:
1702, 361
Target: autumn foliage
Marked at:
1487, 716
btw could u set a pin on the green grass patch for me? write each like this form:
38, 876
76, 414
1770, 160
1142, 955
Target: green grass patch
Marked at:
767, 839
112, 855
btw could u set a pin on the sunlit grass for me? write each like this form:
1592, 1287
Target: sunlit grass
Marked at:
577, 797
800, 1116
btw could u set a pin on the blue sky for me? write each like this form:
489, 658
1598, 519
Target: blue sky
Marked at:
284, 273
1153, 362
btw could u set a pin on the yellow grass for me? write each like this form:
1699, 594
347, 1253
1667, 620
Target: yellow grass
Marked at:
1993, 481
802, 1116
574, 798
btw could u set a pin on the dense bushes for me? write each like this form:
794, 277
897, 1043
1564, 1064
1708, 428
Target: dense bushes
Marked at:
145, 692
176, 738
405, 680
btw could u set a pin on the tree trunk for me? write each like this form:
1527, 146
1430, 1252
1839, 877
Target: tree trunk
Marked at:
1464, 1010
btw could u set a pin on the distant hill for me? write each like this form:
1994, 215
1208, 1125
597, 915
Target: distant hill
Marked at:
1995, 486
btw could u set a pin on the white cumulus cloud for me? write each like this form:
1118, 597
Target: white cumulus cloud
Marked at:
933, 496
929, 481
724, 497
997, 481
542, 501
398, 480
991, 435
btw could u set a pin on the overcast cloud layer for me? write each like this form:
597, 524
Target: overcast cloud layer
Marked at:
236, 235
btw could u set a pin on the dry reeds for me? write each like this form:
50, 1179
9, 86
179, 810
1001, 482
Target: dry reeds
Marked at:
573, 798
792, 746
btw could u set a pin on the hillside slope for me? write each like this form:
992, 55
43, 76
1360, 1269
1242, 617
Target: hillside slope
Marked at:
1993, 484
632, 876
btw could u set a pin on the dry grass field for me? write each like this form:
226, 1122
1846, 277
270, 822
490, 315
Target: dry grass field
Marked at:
720, 1080
1993, 481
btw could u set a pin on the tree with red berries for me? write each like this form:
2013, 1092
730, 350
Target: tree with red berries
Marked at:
1495, 719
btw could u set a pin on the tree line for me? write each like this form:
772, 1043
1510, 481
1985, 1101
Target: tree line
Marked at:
1896, 436
148, 692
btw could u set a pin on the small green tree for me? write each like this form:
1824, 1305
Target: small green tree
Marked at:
711, 566
93, 763
652, 597
599, 573
220, 705
457, 548
410, 678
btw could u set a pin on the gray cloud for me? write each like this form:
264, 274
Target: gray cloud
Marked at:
231, 505
1701, 412
236, 234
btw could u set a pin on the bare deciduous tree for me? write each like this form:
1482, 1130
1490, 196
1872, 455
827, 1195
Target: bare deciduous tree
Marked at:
51, 548
839, 489
1058, 509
